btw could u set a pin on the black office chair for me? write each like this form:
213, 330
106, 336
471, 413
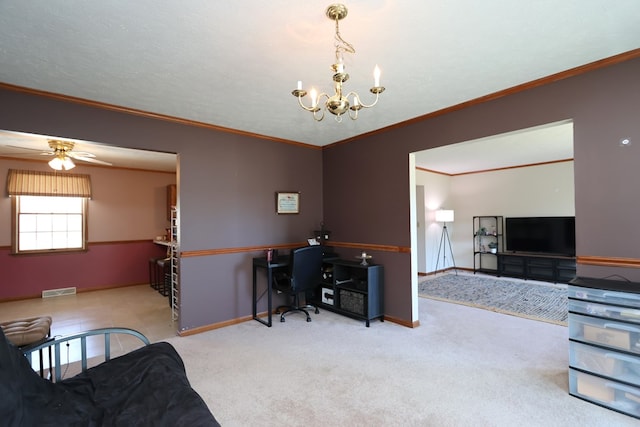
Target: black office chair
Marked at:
303, 275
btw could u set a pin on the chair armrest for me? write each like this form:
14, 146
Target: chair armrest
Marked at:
56, 342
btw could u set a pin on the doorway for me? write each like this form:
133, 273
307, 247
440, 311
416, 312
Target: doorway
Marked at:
527, 172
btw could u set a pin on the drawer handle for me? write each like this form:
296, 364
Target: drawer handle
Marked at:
626, 296
622, 387
622, 357
620, 327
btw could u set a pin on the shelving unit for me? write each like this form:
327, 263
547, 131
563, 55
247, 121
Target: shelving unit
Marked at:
174, 256
351, 289
487, 242
604, 343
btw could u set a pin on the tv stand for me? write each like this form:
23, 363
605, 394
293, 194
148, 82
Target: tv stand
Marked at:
547, 268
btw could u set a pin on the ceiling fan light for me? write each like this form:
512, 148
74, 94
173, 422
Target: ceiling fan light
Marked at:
68, 164
56, 163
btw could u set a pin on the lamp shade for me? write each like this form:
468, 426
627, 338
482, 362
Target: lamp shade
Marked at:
56, 163
59, 162
68, 164
444, 215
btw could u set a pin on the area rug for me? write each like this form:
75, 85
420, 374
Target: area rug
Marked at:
532, 300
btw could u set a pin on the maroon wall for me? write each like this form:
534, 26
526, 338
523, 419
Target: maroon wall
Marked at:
101, 266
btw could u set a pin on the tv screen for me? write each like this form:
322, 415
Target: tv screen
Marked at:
546, 235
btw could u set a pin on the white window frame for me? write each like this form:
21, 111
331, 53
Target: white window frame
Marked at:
16, 227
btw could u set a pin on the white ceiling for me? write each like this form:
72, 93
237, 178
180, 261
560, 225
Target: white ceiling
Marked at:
541, 144
234, 64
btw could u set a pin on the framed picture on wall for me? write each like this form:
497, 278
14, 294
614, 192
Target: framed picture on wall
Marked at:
287, 202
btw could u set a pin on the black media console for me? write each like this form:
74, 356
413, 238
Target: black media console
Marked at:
548, 268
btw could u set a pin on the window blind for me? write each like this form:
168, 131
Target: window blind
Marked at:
35, 183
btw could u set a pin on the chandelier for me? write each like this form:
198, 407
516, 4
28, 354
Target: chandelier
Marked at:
338, 103
61, 160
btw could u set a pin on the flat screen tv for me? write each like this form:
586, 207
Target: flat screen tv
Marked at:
552, 235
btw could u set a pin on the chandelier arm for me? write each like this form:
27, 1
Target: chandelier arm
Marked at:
320, 108
317, 117
353, 114
361, 104
312, 108
304, 106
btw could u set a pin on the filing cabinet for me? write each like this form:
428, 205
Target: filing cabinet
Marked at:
604, 343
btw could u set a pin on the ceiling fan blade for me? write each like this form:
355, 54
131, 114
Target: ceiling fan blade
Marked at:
80, 154
91, 160
24, 148
31, 151
31, 155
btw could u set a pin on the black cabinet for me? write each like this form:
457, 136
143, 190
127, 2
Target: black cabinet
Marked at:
351, 289
487, 242
557, 269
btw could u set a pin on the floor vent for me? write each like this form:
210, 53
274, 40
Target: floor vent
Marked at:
58, 292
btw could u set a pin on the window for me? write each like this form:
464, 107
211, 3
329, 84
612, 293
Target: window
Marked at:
49, 210
45, 223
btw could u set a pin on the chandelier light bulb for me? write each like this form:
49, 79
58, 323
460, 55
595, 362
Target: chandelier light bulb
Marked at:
314, 97
376, 76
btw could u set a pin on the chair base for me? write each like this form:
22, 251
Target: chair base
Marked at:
292, 309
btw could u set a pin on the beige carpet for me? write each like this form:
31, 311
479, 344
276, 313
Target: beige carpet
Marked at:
463, 367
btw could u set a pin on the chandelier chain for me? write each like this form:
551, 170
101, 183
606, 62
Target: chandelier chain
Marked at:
341, 44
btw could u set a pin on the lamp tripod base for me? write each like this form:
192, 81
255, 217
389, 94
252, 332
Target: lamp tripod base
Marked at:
444, 240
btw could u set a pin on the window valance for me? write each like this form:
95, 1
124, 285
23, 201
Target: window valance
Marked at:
35, 183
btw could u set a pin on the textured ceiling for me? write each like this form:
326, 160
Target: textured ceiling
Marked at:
234, 64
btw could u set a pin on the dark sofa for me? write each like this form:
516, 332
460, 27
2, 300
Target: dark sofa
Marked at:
147, 386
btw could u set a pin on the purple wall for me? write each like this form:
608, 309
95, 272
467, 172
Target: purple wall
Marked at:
227, 181
604, 106
226, 185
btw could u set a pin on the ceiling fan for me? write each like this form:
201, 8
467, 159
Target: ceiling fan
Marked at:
63, 155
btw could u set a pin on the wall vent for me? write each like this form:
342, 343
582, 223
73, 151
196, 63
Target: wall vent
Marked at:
58, 292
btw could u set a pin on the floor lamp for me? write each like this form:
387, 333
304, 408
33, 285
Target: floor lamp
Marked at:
444, 216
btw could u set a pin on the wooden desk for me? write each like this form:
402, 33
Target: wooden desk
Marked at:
261, 262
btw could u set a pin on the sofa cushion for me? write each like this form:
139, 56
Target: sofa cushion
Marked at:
147, 386
27, 331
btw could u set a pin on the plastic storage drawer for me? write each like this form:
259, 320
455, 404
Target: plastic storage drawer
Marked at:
620, 397
624, 314
605, 332
605, 296
609, 363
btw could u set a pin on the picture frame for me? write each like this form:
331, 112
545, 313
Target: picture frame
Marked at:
287, 202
